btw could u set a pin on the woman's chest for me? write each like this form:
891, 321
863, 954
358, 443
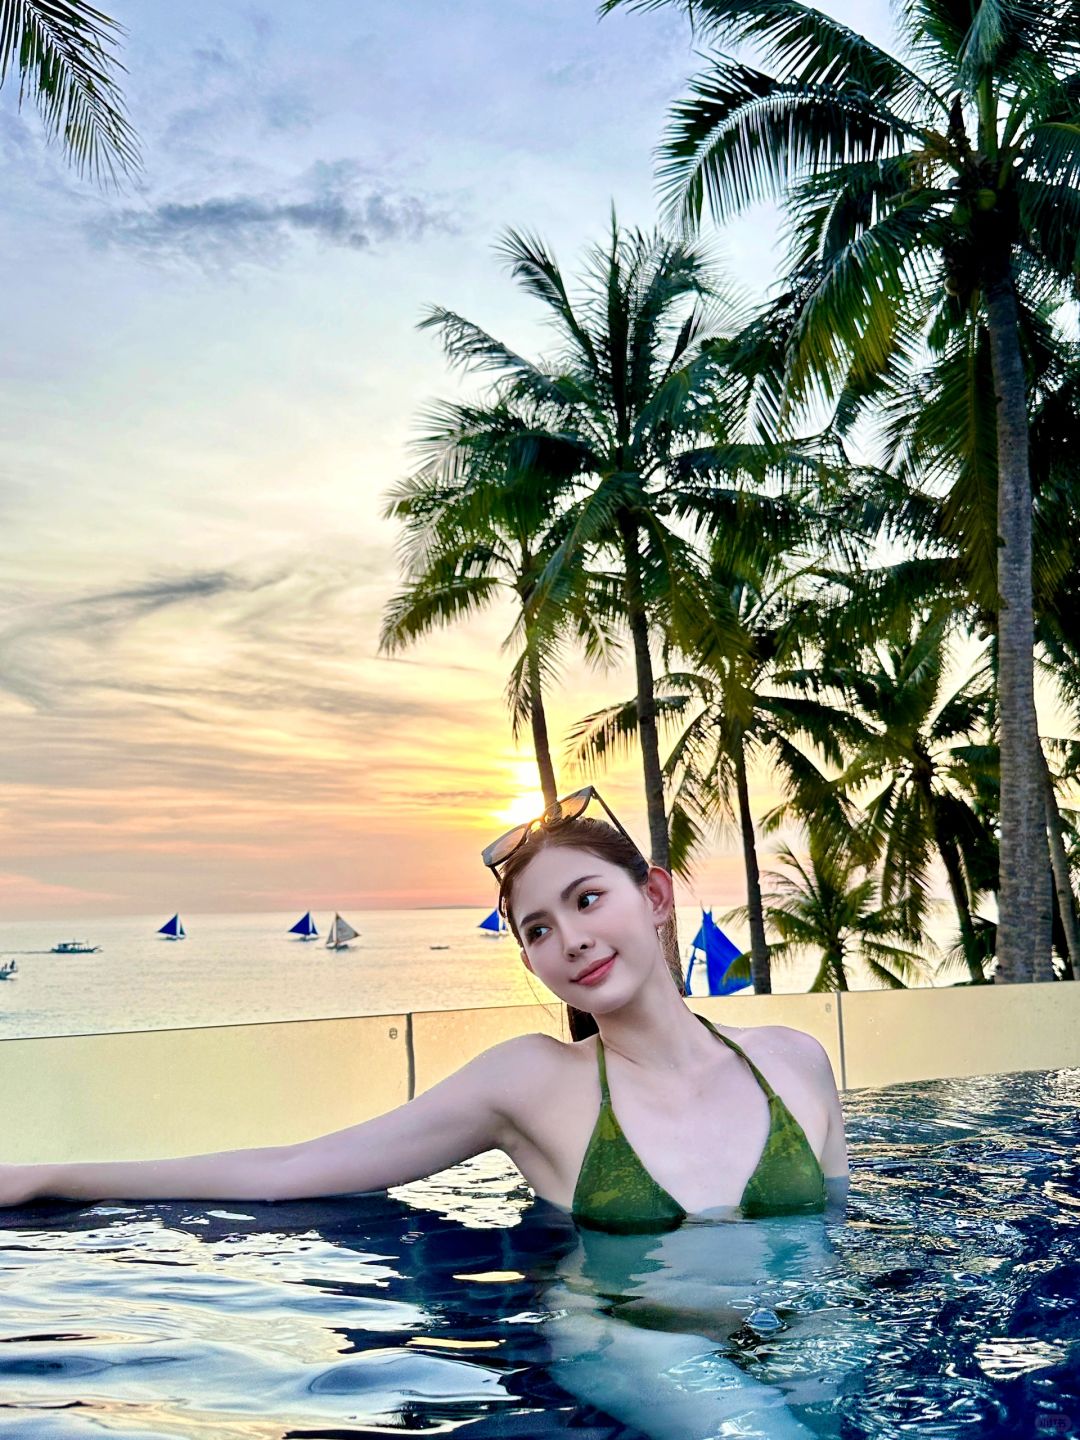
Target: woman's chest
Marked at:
700, 1144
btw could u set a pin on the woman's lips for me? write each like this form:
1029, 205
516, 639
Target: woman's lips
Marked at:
596, 974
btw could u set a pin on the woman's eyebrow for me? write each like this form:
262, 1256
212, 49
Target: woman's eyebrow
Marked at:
564, 895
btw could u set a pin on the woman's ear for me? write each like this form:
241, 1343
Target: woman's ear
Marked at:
660, 894
525, 962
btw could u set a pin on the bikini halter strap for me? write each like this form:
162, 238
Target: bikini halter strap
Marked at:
605, 1093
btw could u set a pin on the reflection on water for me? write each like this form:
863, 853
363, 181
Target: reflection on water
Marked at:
943, 1303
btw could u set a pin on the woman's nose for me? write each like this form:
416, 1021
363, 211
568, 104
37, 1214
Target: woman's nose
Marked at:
574, 942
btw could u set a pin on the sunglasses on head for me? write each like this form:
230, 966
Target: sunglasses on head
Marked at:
556, 814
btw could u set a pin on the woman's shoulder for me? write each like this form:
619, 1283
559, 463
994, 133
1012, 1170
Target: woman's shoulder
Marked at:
774, 1037
535, 1075
780, 1044
527, 1057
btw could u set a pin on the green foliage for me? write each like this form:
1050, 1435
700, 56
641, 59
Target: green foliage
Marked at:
830, 905
63, 52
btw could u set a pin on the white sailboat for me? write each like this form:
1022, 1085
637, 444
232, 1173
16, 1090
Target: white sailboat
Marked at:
340, 933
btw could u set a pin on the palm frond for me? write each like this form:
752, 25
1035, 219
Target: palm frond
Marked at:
416, 611
809, 46
533, 267
64, 51
982, 42
743, 136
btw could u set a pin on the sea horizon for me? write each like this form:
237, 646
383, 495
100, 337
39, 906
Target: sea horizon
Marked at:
244, 968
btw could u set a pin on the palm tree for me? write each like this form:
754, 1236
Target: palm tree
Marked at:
942, 436
830, 903
479, 517
63, 52
611, 411
928, 746
956, 171
748, 704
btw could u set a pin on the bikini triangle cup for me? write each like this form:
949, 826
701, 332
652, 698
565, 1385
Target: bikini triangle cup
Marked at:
615, 1192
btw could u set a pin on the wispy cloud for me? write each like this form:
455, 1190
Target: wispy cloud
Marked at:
28, 668
336, 203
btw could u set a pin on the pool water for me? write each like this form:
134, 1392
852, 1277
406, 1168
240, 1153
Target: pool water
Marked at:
944, 1302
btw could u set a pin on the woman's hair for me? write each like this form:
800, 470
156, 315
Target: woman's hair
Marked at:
599, 839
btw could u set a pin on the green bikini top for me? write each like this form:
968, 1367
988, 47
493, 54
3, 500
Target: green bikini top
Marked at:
615, 1192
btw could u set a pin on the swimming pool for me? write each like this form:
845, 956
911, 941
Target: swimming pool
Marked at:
945, 1302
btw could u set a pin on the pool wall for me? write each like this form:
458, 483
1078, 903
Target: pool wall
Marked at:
162, 1092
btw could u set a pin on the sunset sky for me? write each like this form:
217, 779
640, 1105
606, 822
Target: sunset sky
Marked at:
207, 384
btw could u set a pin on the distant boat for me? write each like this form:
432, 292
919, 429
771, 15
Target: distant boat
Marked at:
438, 947
9, 970
74, 947
304, 929
172, 929
341, 932
719, 952
494, 924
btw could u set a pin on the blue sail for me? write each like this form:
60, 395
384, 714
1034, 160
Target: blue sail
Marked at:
172, 929
719, 952
304, 926
494, 922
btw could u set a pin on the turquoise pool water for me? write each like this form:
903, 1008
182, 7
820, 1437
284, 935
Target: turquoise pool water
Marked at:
944, 1302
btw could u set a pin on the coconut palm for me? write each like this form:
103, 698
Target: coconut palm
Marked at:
925, 744
747, 705
478, 523
612, 409
63, 52
829, 903
942, 442
955, 170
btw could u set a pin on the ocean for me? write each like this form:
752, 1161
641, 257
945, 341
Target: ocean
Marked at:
235, 969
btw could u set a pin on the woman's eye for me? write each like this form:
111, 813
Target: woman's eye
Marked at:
536, 932
586, 896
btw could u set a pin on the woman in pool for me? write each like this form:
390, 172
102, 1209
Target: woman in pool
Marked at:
709, 1121
713, 1123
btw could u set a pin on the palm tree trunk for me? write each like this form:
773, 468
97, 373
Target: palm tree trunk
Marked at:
958, 889
538, 721
1021, 787
659, 840
1042, 964
646, 697
760, 969
1059, 861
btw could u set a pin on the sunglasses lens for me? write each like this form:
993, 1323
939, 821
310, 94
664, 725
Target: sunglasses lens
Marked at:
573, 805
502, 848
556, 813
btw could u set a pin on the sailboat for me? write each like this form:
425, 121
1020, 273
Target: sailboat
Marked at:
173, 929
494, 924
304, 929
341, 932
719, 952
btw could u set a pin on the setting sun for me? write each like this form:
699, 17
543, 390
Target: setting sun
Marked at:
528, 801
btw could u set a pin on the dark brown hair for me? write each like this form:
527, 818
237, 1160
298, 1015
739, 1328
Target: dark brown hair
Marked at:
599, 839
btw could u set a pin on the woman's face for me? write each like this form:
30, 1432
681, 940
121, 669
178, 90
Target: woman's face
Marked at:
588, 929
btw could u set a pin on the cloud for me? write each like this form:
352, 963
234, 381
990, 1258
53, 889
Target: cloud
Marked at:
33, 893
205, 648
29, 644
335, 203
